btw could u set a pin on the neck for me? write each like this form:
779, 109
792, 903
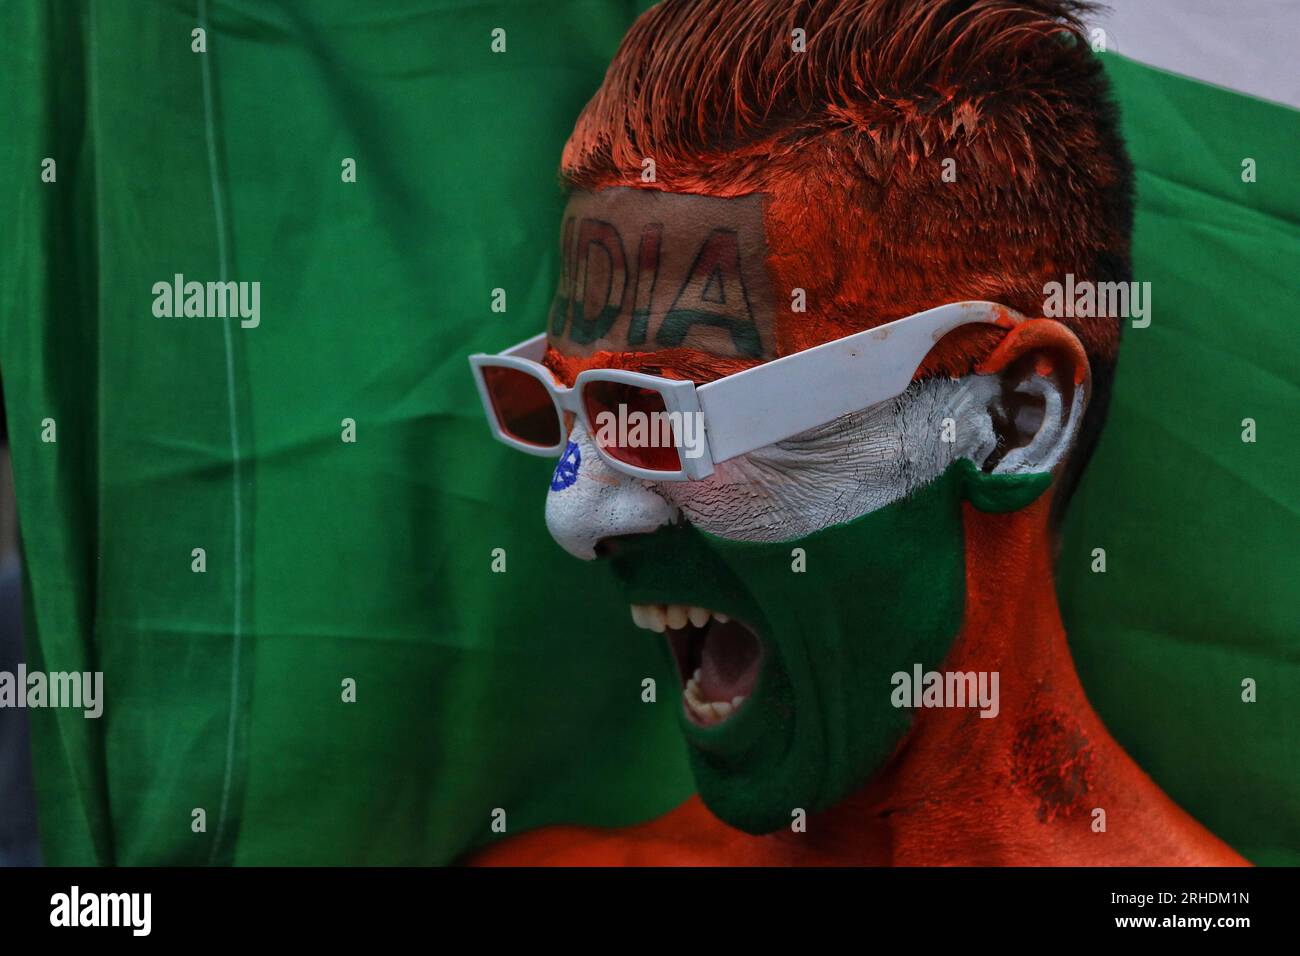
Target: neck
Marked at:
1024, 787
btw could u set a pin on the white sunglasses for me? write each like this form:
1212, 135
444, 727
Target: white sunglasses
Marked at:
739, 413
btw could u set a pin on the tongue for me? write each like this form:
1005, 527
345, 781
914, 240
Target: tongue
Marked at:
729, 660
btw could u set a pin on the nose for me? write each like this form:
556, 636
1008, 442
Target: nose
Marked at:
589, 501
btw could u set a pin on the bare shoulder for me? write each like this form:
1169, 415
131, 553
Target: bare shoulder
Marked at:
683, 837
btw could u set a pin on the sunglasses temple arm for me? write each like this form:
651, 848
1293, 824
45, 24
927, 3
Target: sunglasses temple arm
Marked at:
766, 403
744, 416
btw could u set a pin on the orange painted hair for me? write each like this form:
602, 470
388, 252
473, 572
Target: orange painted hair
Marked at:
850, 139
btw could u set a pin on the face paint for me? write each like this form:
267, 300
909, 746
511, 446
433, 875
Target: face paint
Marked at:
874, 501
647, 271
877, 595
566, 470
826, 476
844, 469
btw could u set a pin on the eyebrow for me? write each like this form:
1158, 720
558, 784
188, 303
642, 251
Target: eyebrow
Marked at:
676, 363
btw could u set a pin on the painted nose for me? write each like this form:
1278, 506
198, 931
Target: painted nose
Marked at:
589, 501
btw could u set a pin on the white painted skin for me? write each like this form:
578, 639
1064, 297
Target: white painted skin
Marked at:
826, 476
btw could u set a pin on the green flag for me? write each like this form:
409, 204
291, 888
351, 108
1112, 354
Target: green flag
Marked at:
1192, 493
331, 623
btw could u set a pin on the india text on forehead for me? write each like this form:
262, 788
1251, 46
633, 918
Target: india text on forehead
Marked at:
647, 270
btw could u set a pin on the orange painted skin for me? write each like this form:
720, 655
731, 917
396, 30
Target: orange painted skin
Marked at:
1020, 790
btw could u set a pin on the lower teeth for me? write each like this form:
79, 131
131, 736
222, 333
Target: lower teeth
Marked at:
709, 708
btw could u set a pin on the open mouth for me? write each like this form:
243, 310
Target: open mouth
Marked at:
718, 659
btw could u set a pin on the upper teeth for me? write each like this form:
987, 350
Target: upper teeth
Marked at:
658, 617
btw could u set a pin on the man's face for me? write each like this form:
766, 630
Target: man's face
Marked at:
795, 580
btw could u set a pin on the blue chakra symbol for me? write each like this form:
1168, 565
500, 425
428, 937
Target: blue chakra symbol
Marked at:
566, 472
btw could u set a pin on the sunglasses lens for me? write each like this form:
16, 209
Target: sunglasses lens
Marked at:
523, 406
632, 425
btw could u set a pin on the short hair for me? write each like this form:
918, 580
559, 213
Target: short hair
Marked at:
849, 138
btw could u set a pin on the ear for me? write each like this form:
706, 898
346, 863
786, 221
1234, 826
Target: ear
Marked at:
1044, 380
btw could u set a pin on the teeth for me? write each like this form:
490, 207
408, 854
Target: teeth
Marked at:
709, 710
659, 617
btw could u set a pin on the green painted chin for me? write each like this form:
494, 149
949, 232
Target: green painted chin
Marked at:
877, 595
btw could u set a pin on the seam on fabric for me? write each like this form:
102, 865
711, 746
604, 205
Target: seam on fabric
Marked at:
92, 110
209, 121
